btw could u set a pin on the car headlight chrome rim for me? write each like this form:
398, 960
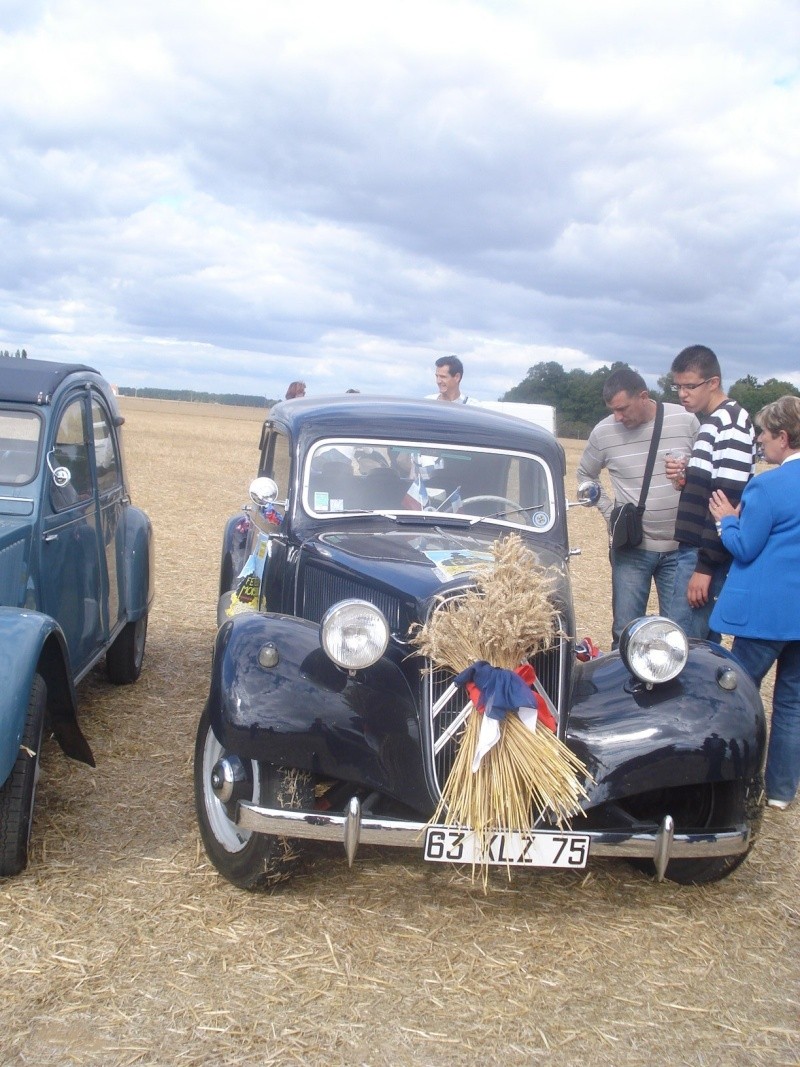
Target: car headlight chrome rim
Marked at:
655, 649
354, 634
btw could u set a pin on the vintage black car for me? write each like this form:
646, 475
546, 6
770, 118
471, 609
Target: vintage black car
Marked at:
76, 575
322, 721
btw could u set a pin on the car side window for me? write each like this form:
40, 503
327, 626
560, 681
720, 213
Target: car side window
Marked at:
105, 449
277, 462
70, 451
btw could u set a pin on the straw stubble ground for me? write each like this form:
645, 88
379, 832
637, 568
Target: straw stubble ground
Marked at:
122, 946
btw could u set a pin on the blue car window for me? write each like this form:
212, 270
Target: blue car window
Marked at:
105, 450
70, 451
19, 446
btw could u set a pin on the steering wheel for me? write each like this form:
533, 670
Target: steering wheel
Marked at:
506, 506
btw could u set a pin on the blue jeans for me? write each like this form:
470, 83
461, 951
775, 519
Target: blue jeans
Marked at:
694, 621
783, 752
632, 571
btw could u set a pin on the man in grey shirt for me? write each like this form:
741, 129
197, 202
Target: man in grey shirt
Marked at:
620, 443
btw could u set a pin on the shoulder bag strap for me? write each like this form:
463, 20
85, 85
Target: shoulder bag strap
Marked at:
651, 456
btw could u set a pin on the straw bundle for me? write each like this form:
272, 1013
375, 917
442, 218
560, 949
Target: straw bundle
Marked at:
504, 620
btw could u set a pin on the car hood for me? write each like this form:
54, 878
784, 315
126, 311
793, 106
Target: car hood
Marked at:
414, 563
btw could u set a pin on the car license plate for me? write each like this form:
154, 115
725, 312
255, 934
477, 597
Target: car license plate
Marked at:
542, 848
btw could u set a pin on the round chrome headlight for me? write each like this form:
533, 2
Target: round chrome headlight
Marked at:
654, 649
354, 634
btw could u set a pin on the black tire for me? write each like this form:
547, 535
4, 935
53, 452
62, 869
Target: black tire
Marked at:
248, 860
700, 807
19, 789
125, 657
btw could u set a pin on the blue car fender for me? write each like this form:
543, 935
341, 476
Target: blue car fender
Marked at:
138, 563
304, 712
31, 642
687, 731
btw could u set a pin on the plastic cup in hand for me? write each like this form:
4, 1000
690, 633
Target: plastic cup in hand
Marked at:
675, 460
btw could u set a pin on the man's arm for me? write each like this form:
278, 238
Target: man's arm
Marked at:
591, 463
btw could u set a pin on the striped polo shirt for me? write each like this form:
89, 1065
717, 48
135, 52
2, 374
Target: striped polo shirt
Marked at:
723, 458
623, 453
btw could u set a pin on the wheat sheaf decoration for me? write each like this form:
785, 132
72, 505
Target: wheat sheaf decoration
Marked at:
510, 768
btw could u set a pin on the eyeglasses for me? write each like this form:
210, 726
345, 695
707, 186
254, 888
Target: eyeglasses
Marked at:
691, 388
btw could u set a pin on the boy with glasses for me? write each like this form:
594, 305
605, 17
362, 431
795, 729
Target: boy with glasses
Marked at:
723, 458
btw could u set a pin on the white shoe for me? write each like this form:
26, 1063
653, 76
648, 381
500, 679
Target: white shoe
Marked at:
781, 805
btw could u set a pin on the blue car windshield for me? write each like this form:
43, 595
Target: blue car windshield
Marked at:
353, 476
19, 446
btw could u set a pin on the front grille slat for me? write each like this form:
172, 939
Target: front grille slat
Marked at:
322, 589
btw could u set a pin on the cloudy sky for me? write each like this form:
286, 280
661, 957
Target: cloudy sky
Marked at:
229, 196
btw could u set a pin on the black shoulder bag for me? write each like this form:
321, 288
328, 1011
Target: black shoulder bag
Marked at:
625, 530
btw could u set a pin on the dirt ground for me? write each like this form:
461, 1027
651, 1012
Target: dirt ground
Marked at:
121, 945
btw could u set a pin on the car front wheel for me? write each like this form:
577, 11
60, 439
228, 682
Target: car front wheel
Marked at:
19, 789
125, 657
248, 860
701, 807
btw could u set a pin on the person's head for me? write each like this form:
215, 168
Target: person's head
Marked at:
697, 379
626, 396
449, 372
778, 428
295, 390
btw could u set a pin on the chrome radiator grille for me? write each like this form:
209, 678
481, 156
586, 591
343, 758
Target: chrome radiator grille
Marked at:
448, 707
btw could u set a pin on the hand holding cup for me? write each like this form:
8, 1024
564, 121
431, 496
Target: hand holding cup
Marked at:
675, 461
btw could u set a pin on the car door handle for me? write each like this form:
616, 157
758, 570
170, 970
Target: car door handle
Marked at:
50, 537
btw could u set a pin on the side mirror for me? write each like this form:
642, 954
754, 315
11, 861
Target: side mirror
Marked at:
588, 495
263, 491
61, 475
264, 494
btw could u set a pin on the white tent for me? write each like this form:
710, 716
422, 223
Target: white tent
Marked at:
541, 414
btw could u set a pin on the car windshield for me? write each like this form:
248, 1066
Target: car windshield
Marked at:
348, 476
19, 446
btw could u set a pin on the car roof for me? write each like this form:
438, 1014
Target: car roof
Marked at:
361, 416
34, 381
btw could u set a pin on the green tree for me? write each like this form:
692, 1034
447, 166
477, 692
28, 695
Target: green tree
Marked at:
753, 396
576, 395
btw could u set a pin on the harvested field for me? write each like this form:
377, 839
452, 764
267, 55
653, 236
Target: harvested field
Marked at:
122, 946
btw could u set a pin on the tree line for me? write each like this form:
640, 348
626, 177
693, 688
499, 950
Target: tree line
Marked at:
577, 395
243, 400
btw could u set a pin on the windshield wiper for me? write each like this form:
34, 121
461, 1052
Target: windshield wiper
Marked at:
510, 511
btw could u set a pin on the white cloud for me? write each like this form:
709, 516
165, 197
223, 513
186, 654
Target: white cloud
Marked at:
342, 193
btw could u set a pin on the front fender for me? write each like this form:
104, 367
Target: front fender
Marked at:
138, 564
234, 550
306, 713
31, 642
686, 732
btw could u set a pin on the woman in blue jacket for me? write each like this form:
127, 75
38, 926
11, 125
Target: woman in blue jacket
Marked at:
760, 600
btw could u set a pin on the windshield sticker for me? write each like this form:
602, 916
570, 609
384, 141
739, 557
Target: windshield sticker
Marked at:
451, 563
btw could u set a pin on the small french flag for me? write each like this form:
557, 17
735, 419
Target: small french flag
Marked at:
416, 499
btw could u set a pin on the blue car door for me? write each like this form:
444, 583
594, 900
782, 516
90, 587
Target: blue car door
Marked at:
71, 561
111, 503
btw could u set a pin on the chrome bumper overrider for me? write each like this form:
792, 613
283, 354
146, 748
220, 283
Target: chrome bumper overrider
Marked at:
354, 829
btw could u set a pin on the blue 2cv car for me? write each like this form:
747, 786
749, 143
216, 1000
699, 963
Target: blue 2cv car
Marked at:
76, 571
324, 722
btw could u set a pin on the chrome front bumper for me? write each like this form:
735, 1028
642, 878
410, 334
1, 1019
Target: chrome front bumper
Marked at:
354, 829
